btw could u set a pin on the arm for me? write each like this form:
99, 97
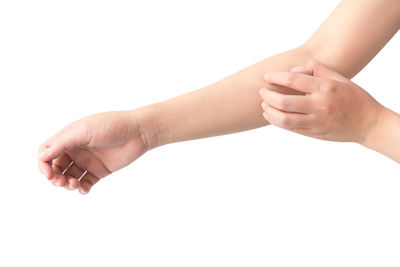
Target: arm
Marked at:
103, 143
227, 106
346, 42
385, 137
354, 33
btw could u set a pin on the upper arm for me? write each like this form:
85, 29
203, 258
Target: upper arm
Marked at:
354, 33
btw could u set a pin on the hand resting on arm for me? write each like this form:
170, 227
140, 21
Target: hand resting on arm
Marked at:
106, 142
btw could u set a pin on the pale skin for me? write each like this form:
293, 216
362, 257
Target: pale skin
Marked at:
307, 90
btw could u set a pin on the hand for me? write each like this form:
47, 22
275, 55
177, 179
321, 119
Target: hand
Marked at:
331, 107
101, 144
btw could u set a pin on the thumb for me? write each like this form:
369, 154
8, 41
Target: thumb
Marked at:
319, 70
71, 137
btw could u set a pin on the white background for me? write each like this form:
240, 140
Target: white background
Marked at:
264, 197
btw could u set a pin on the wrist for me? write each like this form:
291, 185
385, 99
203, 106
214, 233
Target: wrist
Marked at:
378, 134
153, 128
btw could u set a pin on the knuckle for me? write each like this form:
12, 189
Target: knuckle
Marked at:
328, 107
328, 86
286, 122
284, 103
313, 119
322, 107
290, 79
42, 147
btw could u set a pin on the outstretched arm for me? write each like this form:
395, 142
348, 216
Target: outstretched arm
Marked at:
106, 142
348, 39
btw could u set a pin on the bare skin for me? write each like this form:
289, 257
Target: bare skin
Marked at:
106, 142
330, 108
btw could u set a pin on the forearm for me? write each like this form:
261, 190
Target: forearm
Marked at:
233, 104
227, 106
385, 138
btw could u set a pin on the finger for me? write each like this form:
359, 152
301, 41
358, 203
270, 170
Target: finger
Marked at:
59, 180
297, 81
286, 120
86, 159
319, 70
62, 162
72, 182
61, 165
61, 176
71, 137
67, 181
44, 166
87, 182
72, 175
289, 103
304, 69
45, 169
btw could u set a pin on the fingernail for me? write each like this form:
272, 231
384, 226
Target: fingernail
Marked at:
266, 76
261, 91
263, 105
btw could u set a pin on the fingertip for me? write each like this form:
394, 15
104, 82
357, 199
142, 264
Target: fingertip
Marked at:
49, 173
303, 69
84, 187
265, 116
46, 170
73, 183
49, 176
266, 76
61, 182
263, 105
82, 191
58, 180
